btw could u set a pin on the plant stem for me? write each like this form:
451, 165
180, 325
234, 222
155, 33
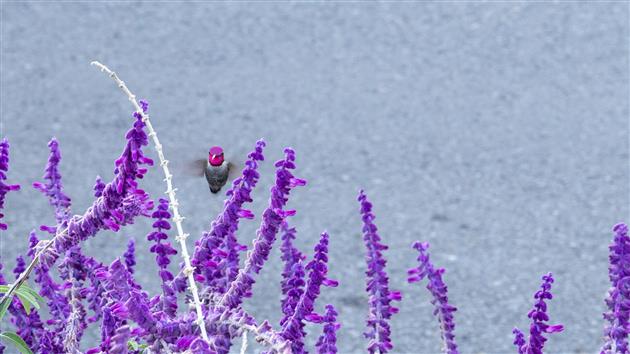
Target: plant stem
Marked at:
170, 191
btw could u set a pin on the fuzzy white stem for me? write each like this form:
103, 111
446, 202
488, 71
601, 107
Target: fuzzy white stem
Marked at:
170, 191
244, 343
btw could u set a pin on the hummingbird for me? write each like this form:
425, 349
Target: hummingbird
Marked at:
216, 169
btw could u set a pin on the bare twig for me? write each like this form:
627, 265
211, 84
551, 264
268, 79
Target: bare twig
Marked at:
170, 191
244, 343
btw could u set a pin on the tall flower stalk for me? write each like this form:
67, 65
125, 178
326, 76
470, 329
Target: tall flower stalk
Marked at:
163, 251
618, 299
53, 188
266, 234
4, 168
538, 326
380, 297
293, 328
292, 283
437, 288
327, 342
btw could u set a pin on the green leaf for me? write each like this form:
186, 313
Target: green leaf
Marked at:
25, 289
17, 341
4, 306
25, 303
4, 288
27, 300
133, 345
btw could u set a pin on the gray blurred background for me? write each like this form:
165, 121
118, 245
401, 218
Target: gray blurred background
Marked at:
496, 131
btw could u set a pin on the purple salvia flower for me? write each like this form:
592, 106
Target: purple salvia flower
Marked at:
243, 187
380, 297
125, 301
266, 234
4, 167
618, 314
327, 342
58, 304
216, 257
163, 251
115, 281
130, 255
20, 266
199, 346
293, 328
94, 294
119, 340
539, 316
3, 281
53, 188
120, 202
292, 284
519, 341
439, 291
99, 186
294, 288
29, 327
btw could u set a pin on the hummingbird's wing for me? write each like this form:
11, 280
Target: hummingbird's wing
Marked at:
234, 170
194, 168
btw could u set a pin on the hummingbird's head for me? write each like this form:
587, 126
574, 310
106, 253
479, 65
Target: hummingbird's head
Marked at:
215, 156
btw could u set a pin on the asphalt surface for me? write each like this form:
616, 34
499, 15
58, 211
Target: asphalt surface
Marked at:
496, 131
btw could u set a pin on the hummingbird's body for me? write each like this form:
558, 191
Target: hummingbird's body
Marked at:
216, 176
217, 169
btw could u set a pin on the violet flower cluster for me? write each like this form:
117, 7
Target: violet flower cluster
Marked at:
539, 317
618, 299
124, 311
53, 189
106, 294
4, 168
381, 309
163, 251
303, 310
443, 309
292, 284
266, 235
327, 342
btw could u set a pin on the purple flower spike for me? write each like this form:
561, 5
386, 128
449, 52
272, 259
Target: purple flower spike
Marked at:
266, 234
293, 328
519, 341
120, 201
53, 188
163, 251
119, 340
293, 274
327, 342
130, 255
381, 310
539, 316
99, 185
443, 310
58, 303
618, 314
4, 168
216, 257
